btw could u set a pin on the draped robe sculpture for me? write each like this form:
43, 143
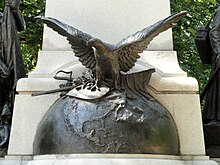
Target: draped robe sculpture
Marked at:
11, 64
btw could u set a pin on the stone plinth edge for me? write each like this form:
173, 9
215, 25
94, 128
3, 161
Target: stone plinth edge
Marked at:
108, 159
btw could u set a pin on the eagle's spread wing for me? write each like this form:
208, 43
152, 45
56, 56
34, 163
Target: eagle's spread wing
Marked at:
129, 47
76, 38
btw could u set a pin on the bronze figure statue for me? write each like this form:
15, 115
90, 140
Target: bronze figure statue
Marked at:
11, 64
106, 60
211, 112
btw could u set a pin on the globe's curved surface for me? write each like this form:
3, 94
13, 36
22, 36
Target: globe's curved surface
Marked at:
115, 123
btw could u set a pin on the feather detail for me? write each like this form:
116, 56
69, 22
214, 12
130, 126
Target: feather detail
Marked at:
77, 39
138, 42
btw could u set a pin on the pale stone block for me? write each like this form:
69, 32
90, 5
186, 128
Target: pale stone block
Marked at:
160, 84
108, 20
216, 160
121, 156
16, 160
29, 85
119, 162
165, 63
10, 162
49, 62
117, 159
28, 113
186, 112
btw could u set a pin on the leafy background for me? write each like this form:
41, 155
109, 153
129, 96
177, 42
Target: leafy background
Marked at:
183, 34
31, 38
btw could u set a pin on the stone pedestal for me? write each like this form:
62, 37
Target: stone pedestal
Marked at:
169, 85
110, 21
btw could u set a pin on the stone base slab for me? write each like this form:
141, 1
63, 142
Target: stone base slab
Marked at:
216, 160
27, 115
107, 159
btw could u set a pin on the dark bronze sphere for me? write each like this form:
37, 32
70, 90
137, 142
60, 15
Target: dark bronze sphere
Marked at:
115, 123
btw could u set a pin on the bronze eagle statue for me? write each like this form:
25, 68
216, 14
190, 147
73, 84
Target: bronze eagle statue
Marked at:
106, 60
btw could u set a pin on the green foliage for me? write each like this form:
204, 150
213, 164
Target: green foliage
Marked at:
200, 12
1, 4
31, 38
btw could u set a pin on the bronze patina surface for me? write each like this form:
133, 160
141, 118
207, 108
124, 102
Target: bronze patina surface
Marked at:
121, 121
11, 64
106, 110
106, 60
211, 112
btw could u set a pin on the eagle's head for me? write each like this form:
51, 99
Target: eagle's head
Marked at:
98, 44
